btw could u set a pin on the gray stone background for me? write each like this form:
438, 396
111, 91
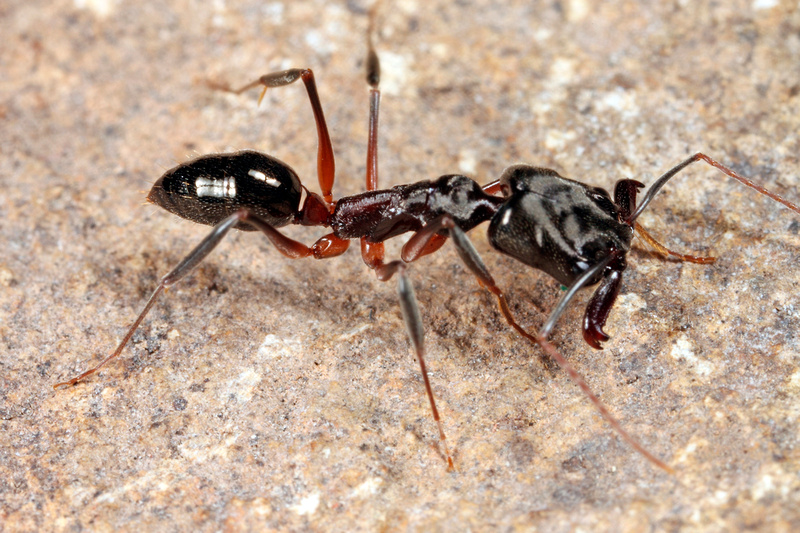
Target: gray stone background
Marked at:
270, 394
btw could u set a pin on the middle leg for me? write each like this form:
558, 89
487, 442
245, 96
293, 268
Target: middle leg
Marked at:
469, 255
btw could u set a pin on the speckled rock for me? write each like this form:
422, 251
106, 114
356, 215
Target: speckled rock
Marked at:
268, 394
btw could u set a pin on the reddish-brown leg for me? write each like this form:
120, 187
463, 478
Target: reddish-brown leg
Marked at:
625, 192
493, 188
416, 333
288, 247
473, 261
326, 166
373, 253
665, 252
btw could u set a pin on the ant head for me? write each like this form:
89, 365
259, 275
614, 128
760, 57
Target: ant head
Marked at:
557, 225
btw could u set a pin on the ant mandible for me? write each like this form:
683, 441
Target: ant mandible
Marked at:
574, 232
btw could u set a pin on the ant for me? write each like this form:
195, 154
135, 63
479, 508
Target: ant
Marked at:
574, 232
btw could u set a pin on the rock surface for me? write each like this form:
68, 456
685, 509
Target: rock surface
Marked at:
269, 394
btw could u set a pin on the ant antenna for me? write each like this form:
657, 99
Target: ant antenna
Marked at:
660, 182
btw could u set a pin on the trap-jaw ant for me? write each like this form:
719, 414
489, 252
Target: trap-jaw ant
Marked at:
576, 233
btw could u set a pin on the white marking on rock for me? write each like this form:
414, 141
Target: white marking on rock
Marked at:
368, 487
307, 506
764, 4
241, 387
683, 349
101, 8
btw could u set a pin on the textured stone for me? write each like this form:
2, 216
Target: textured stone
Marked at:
267, 394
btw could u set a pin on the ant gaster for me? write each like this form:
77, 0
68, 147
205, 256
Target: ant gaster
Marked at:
574, 232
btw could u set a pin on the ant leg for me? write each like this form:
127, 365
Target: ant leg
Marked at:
184, 267
469, 255
625, 192
288, 247
434, 244
373, 252
326, 166
665, 252
413, 321
412, 251
493, 188
373, 80
660, 182
416, 334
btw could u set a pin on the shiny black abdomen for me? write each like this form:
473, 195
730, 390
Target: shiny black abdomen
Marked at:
213, 187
